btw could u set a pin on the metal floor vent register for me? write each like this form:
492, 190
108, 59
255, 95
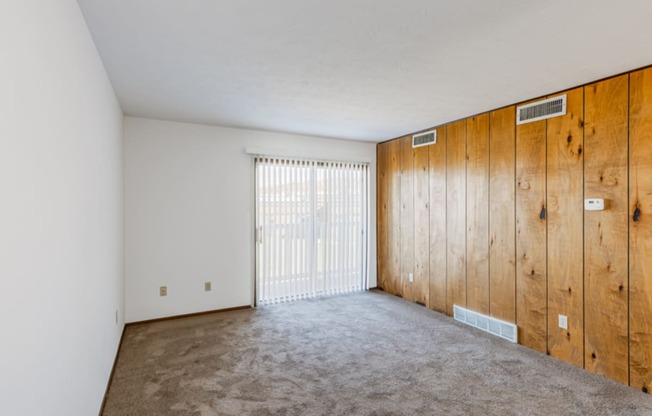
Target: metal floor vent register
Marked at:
486, 323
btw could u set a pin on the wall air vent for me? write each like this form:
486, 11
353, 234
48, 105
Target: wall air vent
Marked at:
424, 139
541, 110
486, 323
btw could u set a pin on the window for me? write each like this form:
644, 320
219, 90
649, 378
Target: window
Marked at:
311, 223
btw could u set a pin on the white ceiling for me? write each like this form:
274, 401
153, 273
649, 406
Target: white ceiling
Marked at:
356, 69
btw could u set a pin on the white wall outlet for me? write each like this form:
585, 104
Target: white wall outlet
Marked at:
207, 287
594, 204
163, 291
563, 321
411, 277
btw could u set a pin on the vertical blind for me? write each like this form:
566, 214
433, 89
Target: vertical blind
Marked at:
311, 225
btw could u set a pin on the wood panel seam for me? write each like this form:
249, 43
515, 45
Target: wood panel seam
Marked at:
628, 235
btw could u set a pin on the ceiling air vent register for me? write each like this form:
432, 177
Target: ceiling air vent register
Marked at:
541, 110
424, 139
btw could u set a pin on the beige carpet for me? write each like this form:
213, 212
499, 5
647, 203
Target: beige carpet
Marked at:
362, 354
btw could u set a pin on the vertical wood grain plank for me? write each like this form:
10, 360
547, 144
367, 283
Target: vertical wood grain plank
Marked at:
393, 277
502, 221
531, 273
565, 231
407, 217
421, 289
382, 214
640, 232
606, 232
477, 213
437, 182
456, 214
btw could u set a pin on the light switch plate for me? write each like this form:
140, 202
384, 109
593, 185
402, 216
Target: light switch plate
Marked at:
411, 277
163, 291
207, 286
563, 321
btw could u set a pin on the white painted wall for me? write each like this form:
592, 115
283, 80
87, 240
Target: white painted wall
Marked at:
61, 239
189, 211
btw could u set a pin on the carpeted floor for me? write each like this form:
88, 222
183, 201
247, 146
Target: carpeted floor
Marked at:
362, 354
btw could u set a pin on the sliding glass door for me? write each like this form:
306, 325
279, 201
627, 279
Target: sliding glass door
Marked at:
311, 228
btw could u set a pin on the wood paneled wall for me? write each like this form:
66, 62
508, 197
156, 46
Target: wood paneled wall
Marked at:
406, 224
606, 285
477, 213
565, 202
421, 286
393, 219
502, 218
531, 235
382, 215
455, 215
640, 229
492, 218
437, 206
